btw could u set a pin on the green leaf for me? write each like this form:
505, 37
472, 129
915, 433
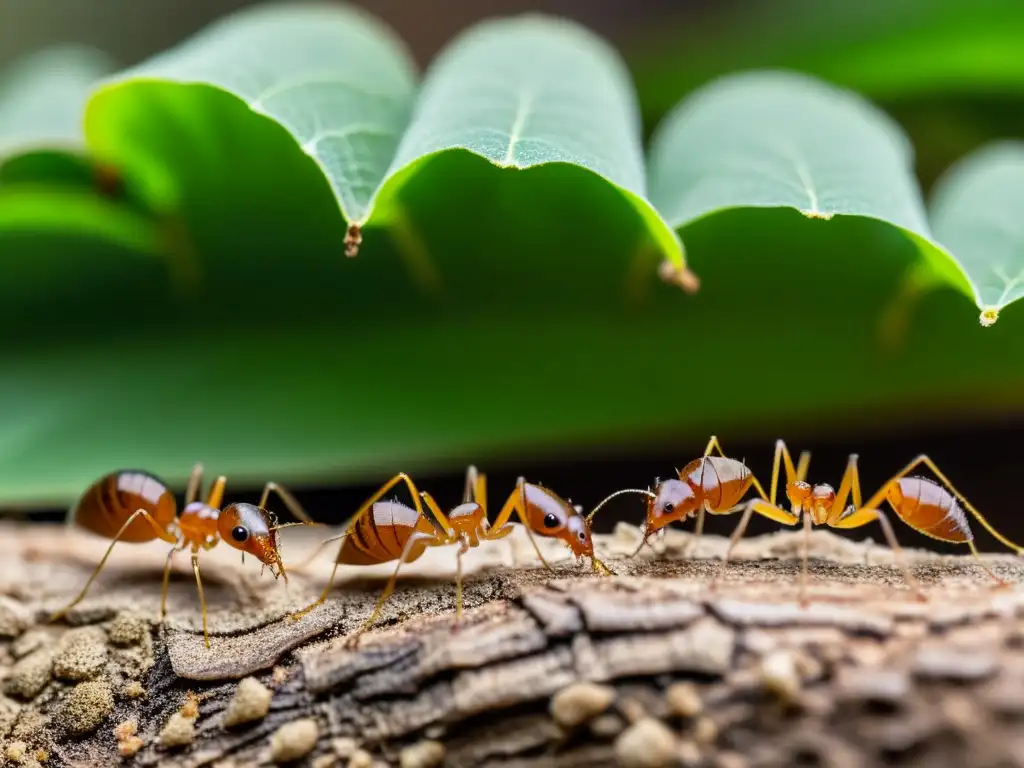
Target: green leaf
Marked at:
885, 50
48, 183
780, 140
343, 87
976, 212
528, 92
553, 336
338, 81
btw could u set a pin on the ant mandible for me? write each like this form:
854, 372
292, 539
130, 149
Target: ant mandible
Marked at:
135, 506
926, 506
382, 531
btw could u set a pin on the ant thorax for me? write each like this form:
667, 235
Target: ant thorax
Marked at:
816, 500
197, 524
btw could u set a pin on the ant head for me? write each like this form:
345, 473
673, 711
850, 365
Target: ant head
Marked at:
578, 536
672, 500
248, 528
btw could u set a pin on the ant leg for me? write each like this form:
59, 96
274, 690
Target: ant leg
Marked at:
985, 568
367, 505
473, 490
516, 502
160, 533
195, 481
202, 596
440, 521
216, 496
766, 505
463, 549
923, 459
864, 515
424, 539
167, 581
320, 547
770, 511
803, 465
289, 500
698, 531
714, 445
806, 552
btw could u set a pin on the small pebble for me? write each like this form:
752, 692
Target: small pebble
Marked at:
730, 760
606, 726
30, 675
128, 629
580, 702
190, 707
683, 700
344, 746
125, 730
32, 640
647, 743
423, 754
81, 655
15, 751
360, 759
325, 761
14, 617
85, 708
705, 732
779, 674
689, 754
130, 747
134, 690
294, 740
178, 731
251, 702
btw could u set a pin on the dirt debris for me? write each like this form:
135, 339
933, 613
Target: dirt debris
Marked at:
294, 740
251, 702
85, 708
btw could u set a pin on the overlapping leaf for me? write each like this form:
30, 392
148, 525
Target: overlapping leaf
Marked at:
781, 140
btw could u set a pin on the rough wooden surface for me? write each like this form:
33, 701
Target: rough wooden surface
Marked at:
566, 669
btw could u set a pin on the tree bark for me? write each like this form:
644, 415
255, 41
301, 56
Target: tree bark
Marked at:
647, 667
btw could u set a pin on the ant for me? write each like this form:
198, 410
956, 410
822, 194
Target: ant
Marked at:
136, 506
382, 531
711, 484
926, 506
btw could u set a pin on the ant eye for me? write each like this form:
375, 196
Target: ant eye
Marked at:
239, 533
583, 536
669, 506
550, 520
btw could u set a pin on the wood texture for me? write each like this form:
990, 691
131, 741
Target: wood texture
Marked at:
644, 668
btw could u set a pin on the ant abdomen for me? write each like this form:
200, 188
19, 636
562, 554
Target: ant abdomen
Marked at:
381, 535
108, 503
931, 509
722, 481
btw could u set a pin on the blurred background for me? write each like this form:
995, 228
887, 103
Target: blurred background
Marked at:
950, 71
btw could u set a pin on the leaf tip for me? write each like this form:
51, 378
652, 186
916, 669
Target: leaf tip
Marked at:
816, 214
988, 317
679, 275
353, 239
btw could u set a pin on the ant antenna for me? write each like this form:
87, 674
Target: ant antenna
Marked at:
643, 491
643, 541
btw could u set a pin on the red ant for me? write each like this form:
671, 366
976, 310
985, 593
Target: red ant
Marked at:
926, 506
712, 484
382, 531
136, 506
